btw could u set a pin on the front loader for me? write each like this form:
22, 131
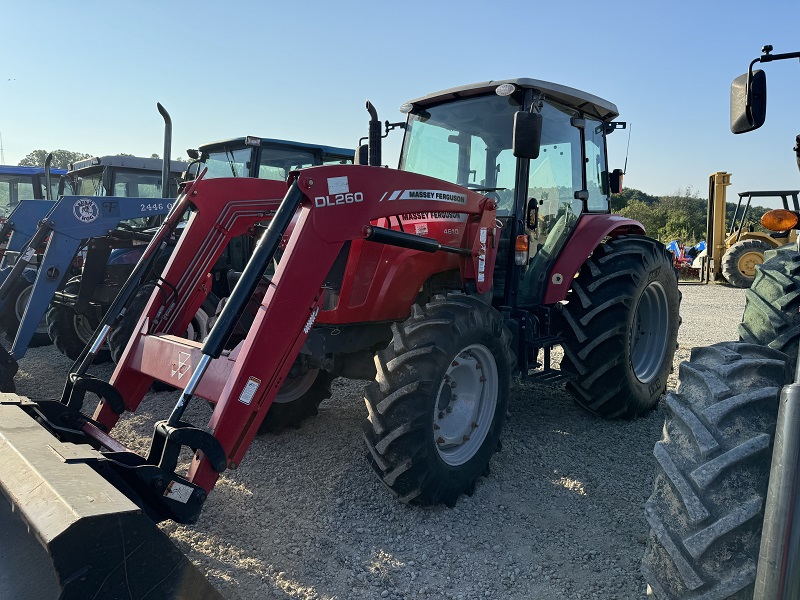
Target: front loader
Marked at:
441, 281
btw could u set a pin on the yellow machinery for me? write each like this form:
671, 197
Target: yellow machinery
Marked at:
734, 252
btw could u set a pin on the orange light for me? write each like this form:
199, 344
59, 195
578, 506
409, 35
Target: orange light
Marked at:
521, 247
779, 220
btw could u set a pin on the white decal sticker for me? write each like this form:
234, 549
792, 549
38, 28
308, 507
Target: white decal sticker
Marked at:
178, 491
439, 195
86, 210
338, 185
311, 320
28, 254
183, 365
250, 388
434, 216
482, 257
421, 228
338, 199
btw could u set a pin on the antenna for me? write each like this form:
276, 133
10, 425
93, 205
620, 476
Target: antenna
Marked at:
627, 149
2, 154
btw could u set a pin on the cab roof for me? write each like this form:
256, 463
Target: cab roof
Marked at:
587, 103
240, 141
128, 162
16, 170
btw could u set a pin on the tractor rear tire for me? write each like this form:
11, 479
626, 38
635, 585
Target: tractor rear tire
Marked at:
13, 310
438, 402
740, 260
8, 369
713, 463
298, 399
620, 327
71, 331
772, 304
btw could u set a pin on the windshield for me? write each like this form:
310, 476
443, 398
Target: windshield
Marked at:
14, 188
468, 143
138, 184
227, 162
124, 183
276, 163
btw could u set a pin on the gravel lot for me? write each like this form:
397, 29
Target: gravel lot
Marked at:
559, 516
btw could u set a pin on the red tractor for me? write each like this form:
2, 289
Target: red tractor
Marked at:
441, 281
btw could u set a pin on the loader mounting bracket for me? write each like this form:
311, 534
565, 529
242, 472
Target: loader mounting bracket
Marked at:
77, 386
168, 440
160, 492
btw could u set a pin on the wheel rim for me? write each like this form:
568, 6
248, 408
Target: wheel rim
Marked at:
83, 328
649, 335
294, 388
465, 405
22, 303
747, 263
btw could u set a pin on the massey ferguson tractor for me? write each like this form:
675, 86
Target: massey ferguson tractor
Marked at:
442, 281
723, 511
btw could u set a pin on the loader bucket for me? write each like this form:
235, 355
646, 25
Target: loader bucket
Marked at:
68, 533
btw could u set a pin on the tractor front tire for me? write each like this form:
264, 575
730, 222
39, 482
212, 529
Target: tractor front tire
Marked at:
14, 309
772, 304
298, 399
438, 402
620, 327
713, 463
71, 331
740, 260
121, 334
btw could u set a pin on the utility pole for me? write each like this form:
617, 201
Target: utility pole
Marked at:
2, 154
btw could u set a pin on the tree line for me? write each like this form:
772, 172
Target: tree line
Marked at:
61, 158
681, 216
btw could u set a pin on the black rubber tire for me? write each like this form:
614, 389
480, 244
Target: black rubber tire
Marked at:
620, 327
410, 387
8, 368
297, 400
71, 331
739, 261
772, 304
712, 472
122, 333
12, 315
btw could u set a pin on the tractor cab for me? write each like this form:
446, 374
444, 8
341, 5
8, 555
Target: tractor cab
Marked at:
478, 137
125, 176
264, 158
24, 183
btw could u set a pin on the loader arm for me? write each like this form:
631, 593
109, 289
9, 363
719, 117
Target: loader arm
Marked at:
70, 221
21, 226
244, 382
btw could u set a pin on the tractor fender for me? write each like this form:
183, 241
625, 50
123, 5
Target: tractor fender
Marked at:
589, 232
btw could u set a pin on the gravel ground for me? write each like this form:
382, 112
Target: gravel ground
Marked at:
559, 516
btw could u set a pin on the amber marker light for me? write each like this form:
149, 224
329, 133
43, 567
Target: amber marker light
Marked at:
521, 247
779, 220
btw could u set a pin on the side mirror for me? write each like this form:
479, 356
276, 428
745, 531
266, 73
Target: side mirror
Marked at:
527, 137
615, 181
532, 214
748, 114
362, 155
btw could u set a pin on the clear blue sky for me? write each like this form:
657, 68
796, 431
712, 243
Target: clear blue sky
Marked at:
86, 76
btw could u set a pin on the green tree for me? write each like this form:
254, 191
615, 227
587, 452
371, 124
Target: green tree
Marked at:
61, 158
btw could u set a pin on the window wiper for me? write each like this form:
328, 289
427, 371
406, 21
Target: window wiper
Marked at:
480, 188
229, 155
